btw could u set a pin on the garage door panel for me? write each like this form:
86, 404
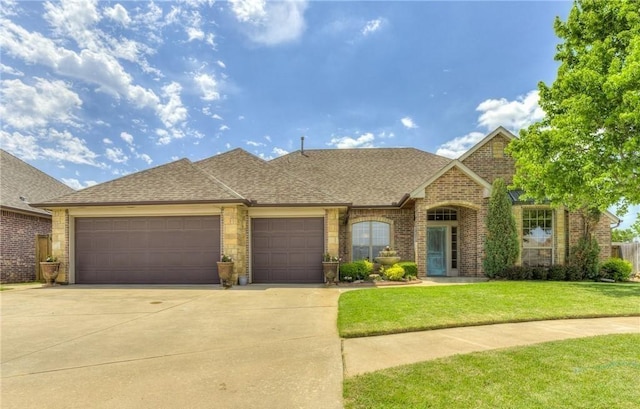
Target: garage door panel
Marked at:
147, 250
287, 250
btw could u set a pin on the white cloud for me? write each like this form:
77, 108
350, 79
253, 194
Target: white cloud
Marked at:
22, 146
127, 137
253, 143
223, 128
221, 64
173, 112
92, 67
372, 26
5, 69
145, 158
71, 149
513, 115
116, 155
27, 107
216, 116
408, 123
271, 23
456, 147
77, 185
164, 137
267, 137
209, 87
346, 142
107, 141
195, 34
119, 14
279, 151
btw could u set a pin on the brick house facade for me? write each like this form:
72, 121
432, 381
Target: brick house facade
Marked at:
17, 254
348, 203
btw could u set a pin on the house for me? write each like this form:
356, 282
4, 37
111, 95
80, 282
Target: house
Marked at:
20, 223
276, 218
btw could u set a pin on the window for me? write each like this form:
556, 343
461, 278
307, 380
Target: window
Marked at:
442, 214
368, 238
537, 237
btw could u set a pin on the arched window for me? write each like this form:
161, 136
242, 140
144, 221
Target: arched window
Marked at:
368, 238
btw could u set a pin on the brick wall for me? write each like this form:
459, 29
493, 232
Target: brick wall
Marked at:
401, 221
18, 245
602, 233
456, 190
489, 164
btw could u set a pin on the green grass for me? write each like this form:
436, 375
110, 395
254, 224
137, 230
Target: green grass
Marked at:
392, 310
10, 286
598, 372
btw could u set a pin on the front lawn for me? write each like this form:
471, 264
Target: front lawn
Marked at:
391, 310
597, 372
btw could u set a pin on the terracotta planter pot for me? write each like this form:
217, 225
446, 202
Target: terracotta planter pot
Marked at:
225, 272
330, 270
50, 270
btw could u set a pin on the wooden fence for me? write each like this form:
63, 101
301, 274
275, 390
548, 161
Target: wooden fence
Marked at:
43, 250
629, 252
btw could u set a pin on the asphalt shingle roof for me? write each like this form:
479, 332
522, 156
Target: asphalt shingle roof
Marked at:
176, 182
19, 179
363, 177
263, 182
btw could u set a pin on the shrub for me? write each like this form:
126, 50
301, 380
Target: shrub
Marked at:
517, 273
573, 273
394, 273
501, 245
616, 269
410, 268
584, 256
357, 270
539, 273
348, 270
557, 273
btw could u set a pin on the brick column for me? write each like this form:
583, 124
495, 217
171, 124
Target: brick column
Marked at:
234, 236
332, 235
60, 242
420, 237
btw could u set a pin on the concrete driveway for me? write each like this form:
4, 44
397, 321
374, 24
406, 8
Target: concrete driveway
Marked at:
170, 347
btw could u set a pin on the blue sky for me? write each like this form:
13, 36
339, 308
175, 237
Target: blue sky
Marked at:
95, 90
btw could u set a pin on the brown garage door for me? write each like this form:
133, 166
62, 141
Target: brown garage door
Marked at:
287, 250
147, 250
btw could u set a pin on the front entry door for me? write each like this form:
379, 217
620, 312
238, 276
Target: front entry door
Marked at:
436, 251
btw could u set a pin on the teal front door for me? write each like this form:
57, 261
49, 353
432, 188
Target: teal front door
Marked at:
436, 251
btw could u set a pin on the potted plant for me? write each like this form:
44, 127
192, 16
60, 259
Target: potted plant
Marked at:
50, 269
225, 270
330, 268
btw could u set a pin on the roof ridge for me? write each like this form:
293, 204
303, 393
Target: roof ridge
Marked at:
37, 170
216, 180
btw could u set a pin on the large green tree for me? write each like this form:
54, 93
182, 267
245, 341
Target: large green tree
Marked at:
501, 246
585, 153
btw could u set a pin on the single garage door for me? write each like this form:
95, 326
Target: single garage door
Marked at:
287, 250
147, 250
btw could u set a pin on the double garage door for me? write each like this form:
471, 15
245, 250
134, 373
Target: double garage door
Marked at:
147, 250
184, 250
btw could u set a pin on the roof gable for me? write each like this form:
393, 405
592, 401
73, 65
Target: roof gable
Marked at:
419, 192
172, 183
262, 182
19, 180
363, 177
499, 130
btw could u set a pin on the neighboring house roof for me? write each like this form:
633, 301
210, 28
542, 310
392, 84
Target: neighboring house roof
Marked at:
264, 183
178, 182
22, 184
363, 177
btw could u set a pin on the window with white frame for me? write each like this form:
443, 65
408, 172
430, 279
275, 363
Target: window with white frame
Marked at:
368, 238
537, 237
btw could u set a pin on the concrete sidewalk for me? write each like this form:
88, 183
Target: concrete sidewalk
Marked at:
361, 355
